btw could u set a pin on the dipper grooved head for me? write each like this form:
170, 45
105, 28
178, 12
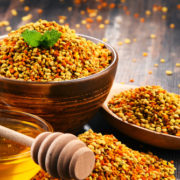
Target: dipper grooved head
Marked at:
63, 155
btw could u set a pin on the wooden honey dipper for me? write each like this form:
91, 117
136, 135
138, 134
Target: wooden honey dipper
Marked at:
61, 155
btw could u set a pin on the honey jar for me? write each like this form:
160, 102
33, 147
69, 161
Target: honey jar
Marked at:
15, 159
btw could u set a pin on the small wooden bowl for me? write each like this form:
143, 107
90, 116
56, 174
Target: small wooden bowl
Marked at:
66, 105
139, 133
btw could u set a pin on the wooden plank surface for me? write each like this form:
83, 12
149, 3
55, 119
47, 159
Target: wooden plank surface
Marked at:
123, 25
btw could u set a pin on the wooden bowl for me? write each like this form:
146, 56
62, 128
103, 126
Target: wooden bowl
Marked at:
66, 105
139, 133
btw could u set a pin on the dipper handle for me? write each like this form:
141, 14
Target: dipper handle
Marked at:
16, 136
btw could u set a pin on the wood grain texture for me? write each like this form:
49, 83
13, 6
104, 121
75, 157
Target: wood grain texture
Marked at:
166, 45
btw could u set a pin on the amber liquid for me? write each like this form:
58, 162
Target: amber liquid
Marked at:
15, 159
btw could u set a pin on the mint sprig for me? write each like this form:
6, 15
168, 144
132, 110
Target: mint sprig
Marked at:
36, 39
33, 38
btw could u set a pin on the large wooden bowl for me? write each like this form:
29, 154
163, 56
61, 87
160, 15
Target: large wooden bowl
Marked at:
139, 133
66, 105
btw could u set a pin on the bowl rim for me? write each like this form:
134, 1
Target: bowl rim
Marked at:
27, 153
114, 59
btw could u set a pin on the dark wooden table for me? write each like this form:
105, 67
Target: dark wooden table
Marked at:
129, 22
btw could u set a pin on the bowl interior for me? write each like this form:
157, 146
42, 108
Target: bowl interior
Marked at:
95, 40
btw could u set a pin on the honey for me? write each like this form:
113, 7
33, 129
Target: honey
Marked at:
15, 159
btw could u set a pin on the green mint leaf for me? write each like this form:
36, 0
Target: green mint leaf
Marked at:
49, 38
36, 39
33, 38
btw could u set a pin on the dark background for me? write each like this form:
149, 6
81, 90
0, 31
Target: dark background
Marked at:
128, 20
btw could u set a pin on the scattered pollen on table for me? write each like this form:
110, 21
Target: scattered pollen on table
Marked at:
168, 72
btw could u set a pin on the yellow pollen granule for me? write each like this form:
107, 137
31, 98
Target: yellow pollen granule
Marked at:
163, 17
148, 12
152, 36
106, 21
83, 22
82, 12
14, 12
8, 28
88, 26
26, 8
145, 54
164, 9
120, 43
61, 21
4, 23
104, 39
26, 18
99, 18
70, 8
127, 41
177, 64
162, 60
172, 26
101, 26
77, 25
168, 72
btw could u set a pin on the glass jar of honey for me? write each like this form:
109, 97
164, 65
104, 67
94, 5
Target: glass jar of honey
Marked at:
15, 159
